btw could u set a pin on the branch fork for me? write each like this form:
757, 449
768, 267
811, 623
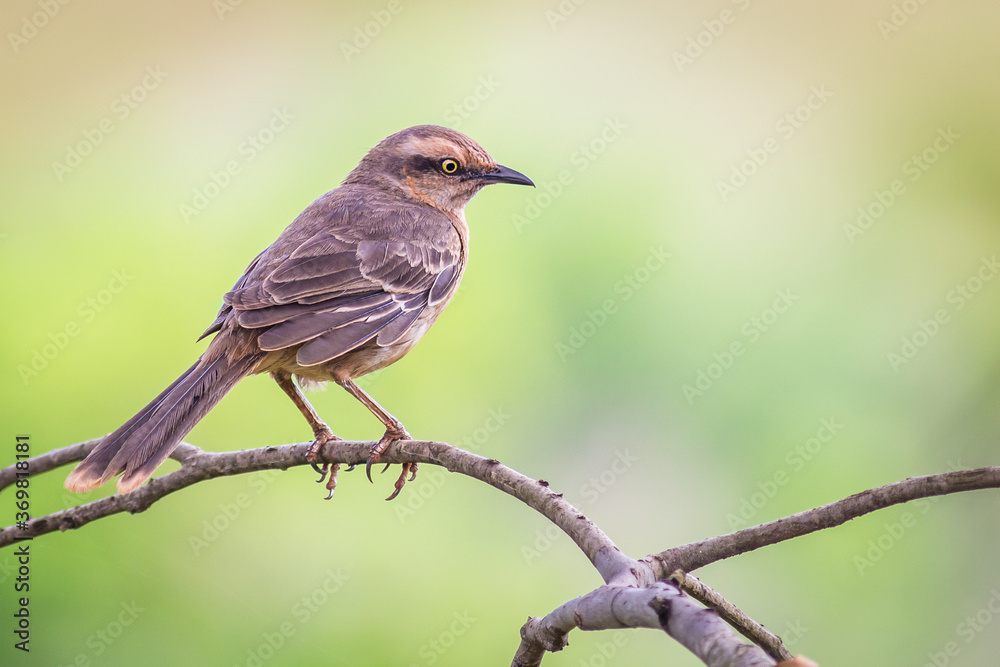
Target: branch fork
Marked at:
655, 592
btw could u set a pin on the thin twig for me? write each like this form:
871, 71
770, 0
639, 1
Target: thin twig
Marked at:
699, 554
71, 453
731, 614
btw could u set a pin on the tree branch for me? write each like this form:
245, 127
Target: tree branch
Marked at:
631, 597
616, 568
731, 614
661, 606
699, 554
71, 453
198, 465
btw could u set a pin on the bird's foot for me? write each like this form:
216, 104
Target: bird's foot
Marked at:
410, 468
323, 436
392, 434
331, 483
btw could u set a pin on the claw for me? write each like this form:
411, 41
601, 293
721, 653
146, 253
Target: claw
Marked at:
352, 467
322, 470
331, 484
407, 468
385, 468
375, 455
312, 456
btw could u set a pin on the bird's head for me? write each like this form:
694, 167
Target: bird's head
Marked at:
437, 166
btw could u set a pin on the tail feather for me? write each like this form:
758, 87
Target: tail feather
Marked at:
142, 443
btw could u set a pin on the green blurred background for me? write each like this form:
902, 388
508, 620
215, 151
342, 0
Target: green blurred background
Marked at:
600, 96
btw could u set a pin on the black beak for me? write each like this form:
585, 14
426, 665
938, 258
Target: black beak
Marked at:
504, 174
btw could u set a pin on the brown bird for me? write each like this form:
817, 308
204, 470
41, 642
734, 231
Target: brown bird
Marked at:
348, 288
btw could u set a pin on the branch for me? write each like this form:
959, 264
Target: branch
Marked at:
699, 554
198, 465
661, 606
616, 568
731, 614
630, 582
70, 453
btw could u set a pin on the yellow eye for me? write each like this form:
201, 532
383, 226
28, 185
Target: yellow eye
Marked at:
449, 166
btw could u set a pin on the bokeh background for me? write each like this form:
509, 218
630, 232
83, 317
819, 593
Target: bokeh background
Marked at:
739, 138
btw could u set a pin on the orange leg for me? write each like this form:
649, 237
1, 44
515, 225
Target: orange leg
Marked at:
393, 431
321, 431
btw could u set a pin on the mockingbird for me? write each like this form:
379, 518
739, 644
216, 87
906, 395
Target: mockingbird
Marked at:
348, 288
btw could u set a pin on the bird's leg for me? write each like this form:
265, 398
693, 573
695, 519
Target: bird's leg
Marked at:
321, 431
393, 431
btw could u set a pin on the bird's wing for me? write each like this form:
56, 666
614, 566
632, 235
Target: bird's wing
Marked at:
346, 272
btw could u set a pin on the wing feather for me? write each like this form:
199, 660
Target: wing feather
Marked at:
350, 280
334, 343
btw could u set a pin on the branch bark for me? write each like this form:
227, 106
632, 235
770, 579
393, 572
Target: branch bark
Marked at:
731, 614
661, 606
619, 571
198, 466
699, 554
634, 594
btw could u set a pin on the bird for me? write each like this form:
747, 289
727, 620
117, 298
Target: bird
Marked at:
348, 288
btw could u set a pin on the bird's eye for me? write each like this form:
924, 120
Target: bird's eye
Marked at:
449, 166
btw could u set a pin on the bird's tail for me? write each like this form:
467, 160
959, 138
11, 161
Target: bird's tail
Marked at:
140, 445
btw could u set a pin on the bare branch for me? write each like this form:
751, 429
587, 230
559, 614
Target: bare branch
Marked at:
661, 606
698, 554
49, 461
71, 453
731, 614
198, 465
632, 597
